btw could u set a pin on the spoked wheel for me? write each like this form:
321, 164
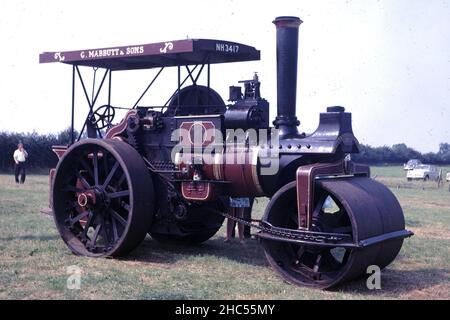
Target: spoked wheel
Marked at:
102, 198
360, 207
103, 117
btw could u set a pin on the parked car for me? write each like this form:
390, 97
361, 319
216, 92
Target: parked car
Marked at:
447, 177
411, 164
423, 172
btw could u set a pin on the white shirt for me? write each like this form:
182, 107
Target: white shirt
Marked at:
20, 156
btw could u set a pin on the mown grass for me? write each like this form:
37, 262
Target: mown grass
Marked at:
34, 261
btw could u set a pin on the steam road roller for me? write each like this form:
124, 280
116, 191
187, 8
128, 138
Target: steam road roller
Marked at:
169, 170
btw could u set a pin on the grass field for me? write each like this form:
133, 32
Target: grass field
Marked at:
34, 261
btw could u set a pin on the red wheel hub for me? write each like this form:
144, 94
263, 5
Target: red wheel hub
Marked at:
86, 199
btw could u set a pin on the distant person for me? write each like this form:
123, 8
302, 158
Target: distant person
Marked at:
237, 209
439, 180
20, 157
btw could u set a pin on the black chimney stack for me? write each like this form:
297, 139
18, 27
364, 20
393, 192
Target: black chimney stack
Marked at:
287, 55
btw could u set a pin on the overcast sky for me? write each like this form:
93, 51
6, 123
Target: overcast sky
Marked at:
386, 61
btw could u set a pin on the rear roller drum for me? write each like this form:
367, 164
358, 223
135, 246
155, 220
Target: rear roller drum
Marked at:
102, 198
360, 207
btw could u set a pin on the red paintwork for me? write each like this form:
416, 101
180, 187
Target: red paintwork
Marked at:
200, 191
59, 151
115, 131
51, 178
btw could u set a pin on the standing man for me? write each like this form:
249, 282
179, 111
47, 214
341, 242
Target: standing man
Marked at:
20, 156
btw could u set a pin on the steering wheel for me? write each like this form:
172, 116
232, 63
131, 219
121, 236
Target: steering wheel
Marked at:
102, 117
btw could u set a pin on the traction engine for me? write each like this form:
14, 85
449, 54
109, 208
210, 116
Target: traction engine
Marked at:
168, 172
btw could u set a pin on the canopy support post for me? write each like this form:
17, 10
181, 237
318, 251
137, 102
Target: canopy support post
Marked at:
179, 86
109, 87
92, 132
148, 87
72, 125
209, 76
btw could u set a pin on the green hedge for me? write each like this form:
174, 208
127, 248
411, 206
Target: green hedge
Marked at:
41, 156
400, 153
38, 146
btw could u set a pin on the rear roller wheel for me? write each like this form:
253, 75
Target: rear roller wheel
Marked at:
360, 207
102, 198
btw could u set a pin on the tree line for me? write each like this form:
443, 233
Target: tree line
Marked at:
41, 156
401, 153
38, 146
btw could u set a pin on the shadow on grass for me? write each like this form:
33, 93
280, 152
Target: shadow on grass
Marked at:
398, 282
150, 250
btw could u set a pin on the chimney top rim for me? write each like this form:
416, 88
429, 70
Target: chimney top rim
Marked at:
287, 21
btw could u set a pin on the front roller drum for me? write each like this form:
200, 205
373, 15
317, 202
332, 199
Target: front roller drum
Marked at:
102, 198
359, 207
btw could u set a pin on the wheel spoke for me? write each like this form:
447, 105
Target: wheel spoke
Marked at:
122, 179
86, 166
106, 235
95, 161
105, 162
300, 252
88, 225
119, 194
111, 174
95, 236
118, 217
79, 217
82, 180
319, 205
114, 227
318, 263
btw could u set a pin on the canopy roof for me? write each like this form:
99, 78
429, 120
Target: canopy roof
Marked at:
156, 55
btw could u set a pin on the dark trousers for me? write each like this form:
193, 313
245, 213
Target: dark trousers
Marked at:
20, 170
